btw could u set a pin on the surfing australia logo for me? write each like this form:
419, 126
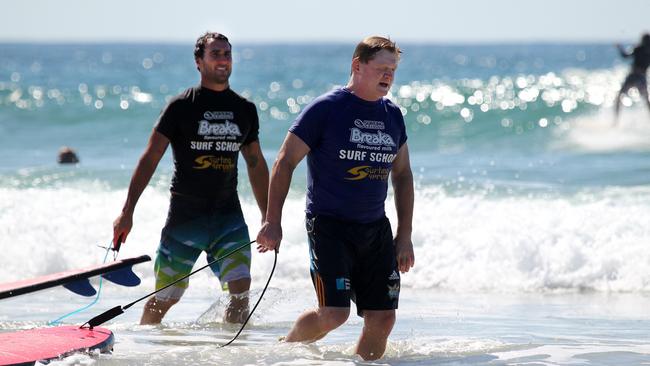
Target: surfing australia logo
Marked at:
368, 172
214, 162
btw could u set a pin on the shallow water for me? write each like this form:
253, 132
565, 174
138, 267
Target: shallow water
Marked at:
433, 328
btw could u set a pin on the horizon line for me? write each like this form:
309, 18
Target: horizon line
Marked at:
251, 41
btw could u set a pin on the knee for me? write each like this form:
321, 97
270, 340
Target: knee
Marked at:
381, 322
333, 318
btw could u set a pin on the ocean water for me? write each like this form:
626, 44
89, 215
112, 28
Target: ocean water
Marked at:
532, 214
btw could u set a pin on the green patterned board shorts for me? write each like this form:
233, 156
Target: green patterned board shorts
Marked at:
191, 229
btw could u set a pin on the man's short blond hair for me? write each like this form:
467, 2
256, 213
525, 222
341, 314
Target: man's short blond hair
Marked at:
370, 46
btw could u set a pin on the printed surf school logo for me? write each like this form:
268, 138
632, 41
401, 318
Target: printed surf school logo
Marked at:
215, 162
227, 128
368, 172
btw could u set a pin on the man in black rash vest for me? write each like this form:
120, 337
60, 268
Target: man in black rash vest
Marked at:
637, 76
207, 126
354, 140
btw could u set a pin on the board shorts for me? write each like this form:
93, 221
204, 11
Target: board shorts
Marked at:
193, 227
353, 261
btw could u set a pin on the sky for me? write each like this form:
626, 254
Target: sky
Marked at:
287, 21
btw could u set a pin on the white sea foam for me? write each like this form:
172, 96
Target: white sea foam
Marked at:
602, 132
594, 239
587, 241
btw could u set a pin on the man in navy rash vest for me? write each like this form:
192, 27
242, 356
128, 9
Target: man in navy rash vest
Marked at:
637, 76
207, 126
354, 140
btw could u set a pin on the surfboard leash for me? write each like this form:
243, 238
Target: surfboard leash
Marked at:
99, 291
250, 314
118, 310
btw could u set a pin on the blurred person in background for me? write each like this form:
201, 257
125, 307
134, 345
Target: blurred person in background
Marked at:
636, 78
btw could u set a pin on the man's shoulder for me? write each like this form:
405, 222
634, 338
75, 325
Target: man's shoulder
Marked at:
394, 110
334, 96
241, 100
391, 104
329, 99
392, 107
183, 98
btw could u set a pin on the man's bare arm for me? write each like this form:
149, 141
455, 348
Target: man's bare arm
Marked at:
402, 179
293, 150
258, 174
141, 176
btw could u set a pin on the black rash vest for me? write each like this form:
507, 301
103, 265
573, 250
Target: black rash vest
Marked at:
206, 130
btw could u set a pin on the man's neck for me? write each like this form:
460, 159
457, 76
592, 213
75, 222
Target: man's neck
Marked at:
359, 92
214, 86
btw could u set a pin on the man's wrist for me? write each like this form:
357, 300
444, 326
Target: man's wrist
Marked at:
272, 218
402, 231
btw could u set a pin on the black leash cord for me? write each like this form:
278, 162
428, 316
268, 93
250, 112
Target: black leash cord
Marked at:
275, 261
118, 310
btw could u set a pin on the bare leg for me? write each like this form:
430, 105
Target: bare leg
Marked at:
314, 324
155, 310
377, 325
237, 309
644, 94
617, 106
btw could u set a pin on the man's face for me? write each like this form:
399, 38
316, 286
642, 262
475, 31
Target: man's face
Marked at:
216, 64
378, 74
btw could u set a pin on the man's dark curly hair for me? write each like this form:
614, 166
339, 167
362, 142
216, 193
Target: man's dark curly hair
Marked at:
199, 47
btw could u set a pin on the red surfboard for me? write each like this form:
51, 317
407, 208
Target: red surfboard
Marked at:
27, 347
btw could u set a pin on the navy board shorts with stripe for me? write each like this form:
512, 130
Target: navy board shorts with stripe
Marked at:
353, 261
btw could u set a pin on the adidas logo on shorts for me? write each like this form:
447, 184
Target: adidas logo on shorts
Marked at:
393, 276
